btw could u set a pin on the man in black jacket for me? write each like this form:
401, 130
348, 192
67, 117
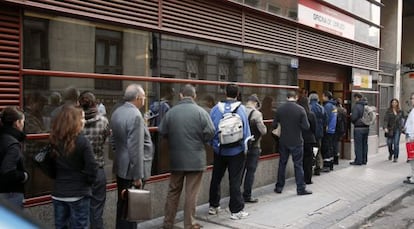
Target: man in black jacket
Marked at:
292, 118
360, 131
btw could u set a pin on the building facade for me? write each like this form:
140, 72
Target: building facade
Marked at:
266, 46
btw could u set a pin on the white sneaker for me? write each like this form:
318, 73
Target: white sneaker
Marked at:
239, 215
213, 210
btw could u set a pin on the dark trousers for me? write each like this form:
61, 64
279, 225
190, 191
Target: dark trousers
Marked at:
121, 223
250, 167
98, 200
307, 162
361, 144
393, 144
328, 148
235, 165
297, 157
72, 214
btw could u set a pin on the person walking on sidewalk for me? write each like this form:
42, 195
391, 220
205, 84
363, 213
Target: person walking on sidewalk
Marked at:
257, 129
293, 121
409, 134
393, 119
187, 127
361, 131
230, 156
309, 140
319, 128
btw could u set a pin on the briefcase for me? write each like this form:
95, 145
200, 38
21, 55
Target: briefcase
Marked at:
138, 204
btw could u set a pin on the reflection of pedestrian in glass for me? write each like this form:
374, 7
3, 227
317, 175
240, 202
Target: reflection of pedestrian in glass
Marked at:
159, 108
35, 103
13, 174
393, 118
96, 130
409, 134
70, 97
208, 102
55, 100
269, 141
101, 108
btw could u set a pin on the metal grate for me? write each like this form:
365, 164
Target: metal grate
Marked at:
366, 57
9, 57
202, 19
260, 32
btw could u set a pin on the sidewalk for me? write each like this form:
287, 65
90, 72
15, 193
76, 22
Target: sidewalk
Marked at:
343, 198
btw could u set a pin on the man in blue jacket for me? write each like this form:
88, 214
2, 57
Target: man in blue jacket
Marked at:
319, 128
328, 140
228, 157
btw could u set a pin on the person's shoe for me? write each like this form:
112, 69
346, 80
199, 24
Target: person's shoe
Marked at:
214, 210
277, 190
336, 160
390, 157
251, 200
304, 192
239, 215
408, 181
354, 163
309, 182
325, 170
395, 160
317, 172
196, 226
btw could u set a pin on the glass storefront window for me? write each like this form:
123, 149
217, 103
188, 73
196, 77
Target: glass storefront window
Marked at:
284, 8
364, 9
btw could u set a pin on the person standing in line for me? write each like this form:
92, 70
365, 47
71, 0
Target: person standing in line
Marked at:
321, 118
361, 131
293, 121
329, 138
341, 128
309, 140
76, 169
13, 174
128, 141
228, 157
70, 97
257, 129
409, 134
187, 128
96, 130
393, 119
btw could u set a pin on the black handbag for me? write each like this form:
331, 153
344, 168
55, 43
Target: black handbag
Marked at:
389, 134
45, 160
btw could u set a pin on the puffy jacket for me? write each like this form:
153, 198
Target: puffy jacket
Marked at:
321, 118
332, 112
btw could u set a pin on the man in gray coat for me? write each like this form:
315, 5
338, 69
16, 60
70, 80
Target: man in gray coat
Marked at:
133, 148
187, 127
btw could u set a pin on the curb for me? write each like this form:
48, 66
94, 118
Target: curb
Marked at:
368, 212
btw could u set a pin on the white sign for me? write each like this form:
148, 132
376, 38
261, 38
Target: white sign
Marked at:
324, 18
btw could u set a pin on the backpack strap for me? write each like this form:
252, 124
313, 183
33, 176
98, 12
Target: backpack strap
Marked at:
250, 115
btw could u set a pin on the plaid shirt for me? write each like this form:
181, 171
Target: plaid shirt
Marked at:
97, 130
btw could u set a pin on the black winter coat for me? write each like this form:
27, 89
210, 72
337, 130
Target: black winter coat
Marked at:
12, 170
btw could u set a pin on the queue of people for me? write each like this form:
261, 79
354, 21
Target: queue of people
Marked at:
310, 132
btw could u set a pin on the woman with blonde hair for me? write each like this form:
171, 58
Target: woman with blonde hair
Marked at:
13, 174
76, 169
393, 121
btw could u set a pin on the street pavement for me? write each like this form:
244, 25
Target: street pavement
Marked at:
344, 198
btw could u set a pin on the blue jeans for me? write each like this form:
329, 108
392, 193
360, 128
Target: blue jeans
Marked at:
235, 165
14, 198
393, 144
361, 144
98, 200
297, 157
72, 214
249, 170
